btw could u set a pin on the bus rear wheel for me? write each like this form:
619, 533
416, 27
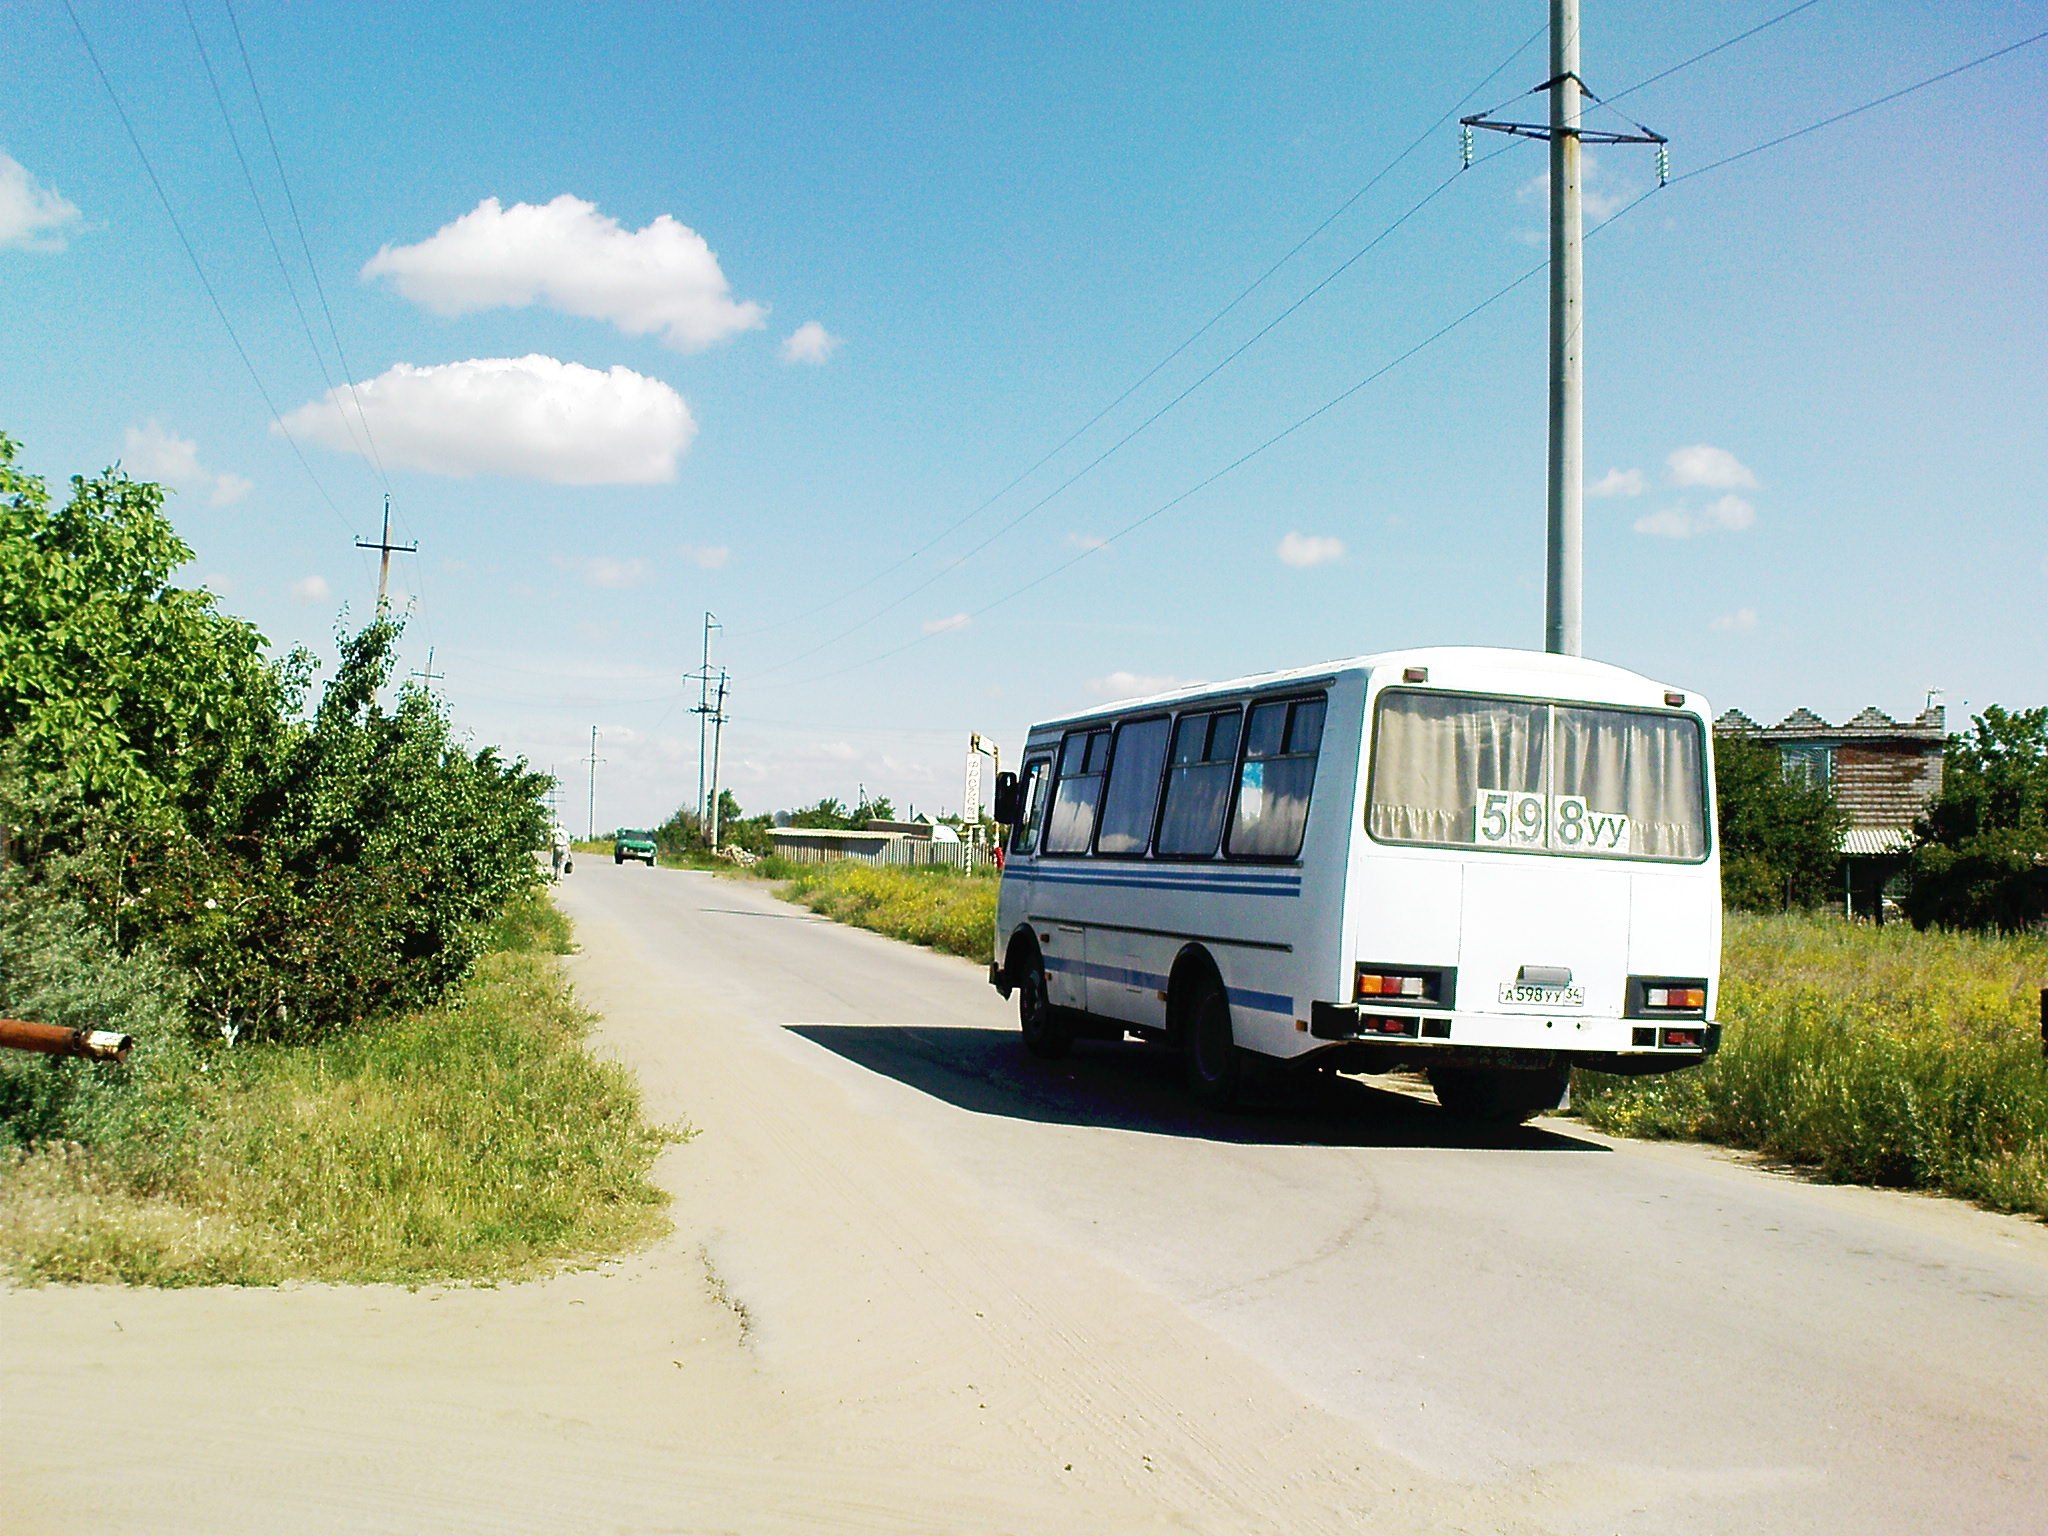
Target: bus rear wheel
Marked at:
1499, 1095
1046, 1034
1209, 1050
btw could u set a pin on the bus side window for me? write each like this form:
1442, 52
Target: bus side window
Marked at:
1281, 743
1025, 838
1133, 793
1077, 794
1198, 784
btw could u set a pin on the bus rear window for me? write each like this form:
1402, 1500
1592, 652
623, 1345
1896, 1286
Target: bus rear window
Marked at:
1516, 775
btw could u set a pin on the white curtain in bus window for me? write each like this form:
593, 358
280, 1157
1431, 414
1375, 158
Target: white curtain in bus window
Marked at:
1630, 763
1280, 746
1435, 756
1198, 784
1078, 795
1133, 793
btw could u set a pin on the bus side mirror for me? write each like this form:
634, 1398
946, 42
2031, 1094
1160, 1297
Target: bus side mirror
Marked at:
1009, 806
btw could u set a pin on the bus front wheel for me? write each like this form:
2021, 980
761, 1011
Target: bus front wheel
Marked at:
1215, 1065
1499, 1095
1045, 1033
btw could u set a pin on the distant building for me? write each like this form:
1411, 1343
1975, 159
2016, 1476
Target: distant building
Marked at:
1884, 772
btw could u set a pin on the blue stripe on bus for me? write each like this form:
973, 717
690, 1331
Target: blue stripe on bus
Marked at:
1262, 1002
1215, 885
1240, 997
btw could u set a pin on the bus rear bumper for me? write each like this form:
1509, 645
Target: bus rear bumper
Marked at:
1606, 1044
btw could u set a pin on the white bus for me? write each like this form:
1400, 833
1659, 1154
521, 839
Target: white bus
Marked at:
1490, 865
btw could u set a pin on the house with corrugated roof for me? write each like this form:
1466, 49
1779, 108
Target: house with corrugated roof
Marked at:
1884, 772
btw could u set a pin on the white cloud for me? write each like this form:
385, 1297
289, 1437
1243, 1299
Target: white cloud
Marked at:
809, 343
1618, 482
311, 589
568, 256
1305, 549
533, 417
603, 571
1725, 514
151, 453
1087, 541
1131, 685
33, 217
940, 626
707, 557
1716, 469
1741, 621
1595, 202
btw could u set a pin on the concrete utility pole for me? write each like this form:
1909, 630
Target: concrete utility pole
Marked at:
703, 714
1564, 587
430, 676
590, 824
385, 547
717, 740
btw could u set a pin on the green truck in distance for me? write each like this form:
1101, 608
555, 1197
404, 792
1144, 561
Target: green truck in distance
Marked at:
630, 844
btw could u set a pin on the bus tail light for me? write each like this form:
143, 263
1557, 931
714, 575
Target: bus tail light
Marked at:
1379, 1024
1651, 997
1411, 986
1689, 1039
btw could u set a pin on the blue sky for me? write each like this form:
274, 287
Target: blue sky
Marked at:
778, 294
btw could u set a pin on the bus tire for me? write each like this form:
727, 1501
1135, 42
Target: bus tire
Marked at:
1209, 1050
1047, 1034
1498, 1095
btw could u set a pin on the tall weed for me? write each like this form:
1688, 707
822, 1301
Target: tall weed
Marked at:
938, 907
1881, 1056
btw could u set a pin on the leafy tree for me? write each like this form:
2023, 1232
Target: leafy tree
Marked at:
878, 808
828, 814
1980, 854
160, 772
1781, 834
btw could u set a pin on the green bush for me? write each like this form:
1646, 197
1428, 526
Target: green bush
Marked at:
1872, 1055
1980, 859
161, 775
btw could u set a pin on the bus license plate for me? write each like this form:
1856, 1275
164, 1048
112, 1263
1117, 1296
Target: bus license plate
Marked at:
1542, 997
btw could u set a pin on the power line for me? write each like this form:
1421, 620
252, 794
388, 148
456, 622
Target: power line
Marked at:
262, 215
1495, 297
1196, 335
192, 255
1257, 336
1740, 37
291, 203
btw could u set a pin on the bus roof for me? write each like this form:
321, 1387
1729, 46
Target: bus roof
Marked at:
1478, 668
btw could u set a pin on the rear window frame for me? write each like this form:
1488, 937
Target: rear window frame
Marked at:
1709, 787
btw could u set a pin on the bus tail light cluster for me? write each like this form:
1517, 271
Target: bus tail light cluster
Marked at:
1690, 998
1664, 997
1407, 986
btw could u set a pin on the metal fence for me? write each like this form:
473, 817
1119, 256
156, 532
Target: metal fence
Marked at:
902, 852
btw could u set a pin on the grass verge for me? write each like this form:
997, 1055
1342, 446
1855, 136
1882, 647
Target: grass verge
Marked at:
1868, 1055
477, 1140
940, 908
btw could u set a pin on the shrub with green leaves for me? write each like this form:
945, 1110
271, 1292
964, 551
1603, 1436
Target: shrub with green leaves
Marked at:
160, 773
1980, 859
1780, 833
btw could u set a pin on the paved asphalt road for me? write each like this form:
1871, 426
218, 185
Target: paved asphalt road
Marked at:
1642, 1337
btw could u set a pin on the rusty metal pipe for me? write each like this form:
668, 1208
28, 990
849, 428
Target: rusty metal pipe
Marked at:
56, 1040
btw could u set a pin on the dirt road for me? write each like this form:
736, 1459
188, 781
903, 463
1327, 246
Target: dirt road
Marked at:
920, 1282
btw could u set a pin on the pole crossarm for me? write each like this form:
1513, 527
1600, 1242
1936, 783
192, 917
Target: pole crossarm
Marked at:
1584, 135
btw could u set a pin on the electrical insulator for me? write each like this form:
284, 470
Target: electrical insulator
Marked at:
1465, 145
1663, 165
